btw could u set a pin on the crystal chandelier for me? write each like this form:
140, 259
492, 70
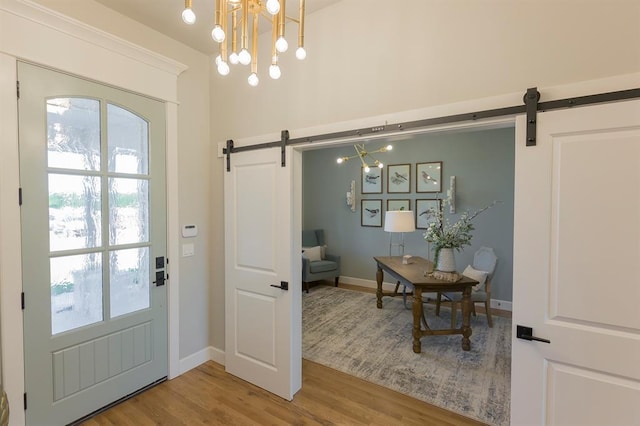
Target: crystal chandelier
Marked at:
232, 19
363, 154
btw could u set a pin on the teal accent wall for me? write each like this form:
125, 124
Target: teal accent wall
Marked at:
483, 163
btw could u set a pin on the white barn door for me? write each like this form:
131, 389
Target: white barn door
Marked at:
262, 321
577, 243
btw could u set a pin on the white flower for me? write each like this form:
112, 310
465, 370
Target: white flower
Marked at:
442, 234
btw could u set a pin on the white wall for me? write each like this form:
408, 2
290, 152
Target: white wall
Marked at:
371, 57
367, 58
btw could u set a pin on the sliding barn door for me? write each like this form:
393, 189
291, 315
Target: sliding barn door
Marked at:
262, 342
577, 244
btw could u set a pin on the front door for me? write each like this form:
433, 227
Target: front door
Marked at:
577, 242
263, 320
92, 172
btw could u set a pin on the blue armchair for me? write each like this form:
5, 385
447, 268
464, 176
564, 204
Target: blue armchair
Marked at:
326, 268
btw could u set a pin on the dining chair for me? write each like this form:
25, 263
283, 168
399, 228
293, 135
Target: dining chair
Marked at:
482, 270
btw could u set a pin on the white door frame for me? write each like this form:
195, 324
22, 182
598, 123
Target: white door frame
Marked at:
33, 33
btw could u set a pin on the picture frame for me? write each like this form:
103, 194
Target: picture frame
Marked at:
429, 177
399, 178
372, 181
371, 213
426, 211
395, 205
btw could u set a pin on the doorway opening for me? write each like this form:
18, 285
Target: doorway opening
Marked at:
482, 159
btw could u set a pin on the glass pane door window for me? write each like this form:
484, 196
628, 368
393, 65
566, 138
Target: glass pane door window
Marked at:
98, 185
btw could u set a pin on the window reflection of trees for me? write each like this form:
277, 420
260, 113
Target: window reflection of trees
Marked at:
78, 173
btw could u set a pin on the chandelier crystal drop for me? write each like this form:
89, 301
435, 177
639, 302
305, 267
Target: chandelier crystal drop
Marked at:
236, 22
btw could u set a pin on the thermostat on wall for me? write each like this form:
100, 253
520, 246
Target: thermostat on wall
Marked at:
189, 231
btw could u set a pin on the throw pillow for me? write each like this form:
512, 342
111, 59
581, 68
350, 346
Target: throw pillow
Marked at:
312, 253
478, 275
323, 251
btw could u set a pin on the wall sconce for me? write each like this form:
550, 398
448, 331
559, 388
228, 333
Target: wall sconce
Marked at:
451, 194
351, 196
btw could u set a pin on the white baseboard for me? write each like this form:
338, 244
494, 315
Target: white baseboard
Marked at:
217, 355
207, 354
501, 304
386, 286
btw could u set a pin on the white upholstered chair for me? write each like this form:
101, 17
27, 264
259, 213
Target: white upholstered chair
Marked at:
484, 265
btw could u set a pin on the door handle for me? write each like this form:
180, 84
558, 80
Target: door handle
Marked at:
159, 278
526, 333
283, 285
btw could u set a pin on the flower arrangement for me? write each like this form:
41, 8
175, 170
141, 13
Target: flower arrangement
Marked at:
442, 234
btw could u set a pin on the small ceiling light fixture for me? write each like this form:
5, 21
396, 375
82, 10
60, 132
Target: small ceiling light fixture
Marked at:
238, 27
363, 154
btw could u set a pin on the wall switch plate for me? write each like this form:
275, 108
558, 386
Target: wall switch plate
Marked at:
188, 250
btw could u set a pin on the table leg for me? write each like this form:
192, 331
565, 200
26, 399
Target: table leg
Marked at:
417, 316
379, 277
466, 319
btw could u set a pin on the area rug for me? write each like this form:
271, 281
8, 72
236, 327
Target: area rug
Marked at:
344, 330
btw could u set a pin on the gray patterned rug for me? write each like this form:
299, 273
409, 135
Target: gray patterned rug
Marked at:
344, 330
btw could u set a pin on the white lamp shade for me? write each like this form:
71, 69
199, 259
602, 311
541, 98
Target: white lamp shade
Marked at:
399, 221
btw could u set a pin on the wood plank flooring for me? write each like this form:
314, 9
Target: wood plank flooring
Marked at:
207, 395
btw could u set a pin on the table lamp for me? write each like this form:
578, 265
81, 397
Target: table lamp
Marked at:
398, 221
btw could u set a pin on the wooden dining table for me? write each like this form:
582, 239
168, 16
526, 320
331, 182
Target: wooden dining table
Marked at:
416, 277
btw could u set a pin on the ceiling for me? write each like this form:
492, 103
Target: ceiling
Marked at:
165, 16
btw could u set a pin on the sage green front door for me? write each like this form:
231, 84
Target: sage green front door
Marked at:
92, 172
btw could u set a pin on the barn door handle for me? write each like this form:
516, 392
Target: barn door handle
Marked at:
526, 333
283, 285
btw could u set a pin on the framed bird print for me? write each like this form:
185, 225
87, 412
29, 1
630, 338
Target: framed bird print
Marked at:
371, 213
429, 177
427, 212
372, 181
398, 205
399, 178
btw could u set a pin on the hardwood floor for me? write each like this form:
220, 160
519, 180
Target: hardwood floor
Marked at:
208, 395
